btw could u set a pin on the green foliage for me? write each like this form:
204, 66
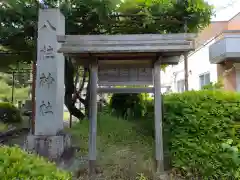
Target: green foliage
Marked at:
236, 130
6, 92
147, 16
9, 113
201, 132
141, 177
18, 164
19, 20
214, 86
199, 124
20, 92
7, 78
127, 105
3, 127
18, 28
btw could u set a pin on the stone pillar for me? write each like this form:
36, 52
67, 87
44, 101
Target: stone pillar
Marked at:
49, 86
50, 73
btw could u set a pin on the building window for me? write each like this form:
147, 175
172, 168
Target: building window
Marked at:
181, 86
204, 79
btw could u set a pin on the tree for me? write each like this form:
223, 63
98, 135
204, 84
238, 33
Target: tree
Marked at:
18, 26
162, 16
18, 33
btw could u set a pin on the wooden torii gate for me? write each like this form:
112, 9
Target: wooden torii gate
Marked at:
126, 60
113, 60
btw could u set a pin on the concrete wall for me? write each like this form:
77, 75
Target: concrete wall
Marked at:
227, 72
234, 23
211, 31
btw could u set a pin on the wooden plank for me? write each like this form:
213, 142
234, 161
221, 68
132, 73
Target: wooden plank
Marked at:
93, 119
108, 64
170, 60
125, 62
125, 56
104, 44
85, 63
124, 49
114, 55
126, 43
128, 55
125, 76
158, 118
127, 83
126, 90
128, 63
132, 37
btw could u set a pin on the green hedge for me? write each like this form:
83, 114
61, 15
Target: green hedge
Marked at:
199, 131
18, 164
9, 113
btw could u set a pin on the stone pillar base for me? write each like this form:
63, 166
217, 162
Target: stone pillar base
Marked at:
51, 147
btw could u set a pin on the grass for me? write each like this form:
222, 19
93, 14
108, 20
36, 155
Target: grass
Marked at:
24, 123
122, 152
3, 127
66, 116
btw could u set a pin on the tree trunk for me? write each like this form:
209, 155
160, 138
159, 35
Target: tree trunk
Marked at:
83, 80
71, 93
85, 101
88, 97
70, 90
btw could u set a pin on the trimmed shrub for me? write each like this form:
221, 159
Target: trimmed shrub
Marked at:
128, 106
199, 125
18, 164
9, 113
200, 134
219, 85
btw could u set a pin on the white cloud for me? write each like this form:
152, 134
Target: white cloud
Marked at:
225, 9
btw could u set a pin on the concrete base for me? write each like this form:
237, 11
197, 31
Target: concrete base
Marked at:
51, 147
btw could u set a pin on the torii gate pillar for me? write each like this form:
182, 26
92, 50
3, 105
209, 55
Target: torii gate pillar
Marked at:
158, 117
93, 119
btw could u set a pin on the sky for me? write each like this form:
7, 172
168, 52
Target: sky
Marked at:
225, 9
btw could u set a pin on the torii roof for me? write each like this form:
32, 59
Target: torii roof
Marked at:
128, 48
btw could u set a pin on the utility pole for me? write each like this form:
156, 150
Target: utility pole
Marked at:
186, 61
186, 71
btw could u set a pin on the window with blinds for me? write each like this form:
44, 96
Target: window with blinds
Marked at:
204, 79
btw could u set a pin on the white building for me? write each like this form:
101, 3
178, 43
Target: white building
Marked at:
216, 56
